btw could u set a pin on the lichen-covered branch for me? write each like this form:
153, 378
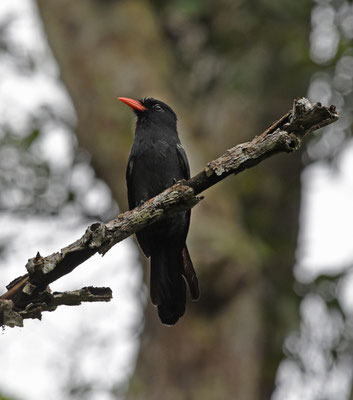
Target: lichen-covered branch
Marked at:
28, 295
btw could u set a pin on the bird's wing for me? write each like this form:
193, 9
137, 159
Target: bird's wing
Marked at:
142, 238
129, 183
190, 275
183, 161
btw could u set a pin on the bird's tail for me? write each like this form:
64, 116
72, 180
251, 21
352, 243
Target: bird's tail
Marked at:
168, 290
190, 275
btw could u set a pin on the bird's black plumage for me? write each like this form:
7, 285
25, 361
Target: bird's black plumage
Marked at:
156, 161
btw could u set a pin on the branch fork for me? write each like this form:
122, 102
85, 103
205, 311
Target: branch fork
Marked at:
29, 295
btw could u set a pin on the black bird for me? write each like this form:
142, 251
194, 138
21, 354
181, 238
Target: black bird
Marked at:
157, 160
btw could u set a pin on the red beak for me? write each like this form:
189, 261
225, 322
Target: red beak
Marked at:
135, 104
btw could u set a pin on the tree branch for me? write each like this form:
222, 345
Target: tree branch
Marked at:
28, 295
47, 301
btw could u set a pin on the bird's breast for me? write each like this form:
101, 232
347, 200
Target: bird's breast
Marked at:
155, 168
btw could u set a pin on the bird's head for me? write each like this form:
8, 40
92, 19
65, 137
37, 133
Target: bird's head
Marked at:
152, 110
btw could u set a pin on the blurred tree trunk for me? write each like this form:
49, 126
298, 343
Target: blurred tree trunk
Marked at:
228, 71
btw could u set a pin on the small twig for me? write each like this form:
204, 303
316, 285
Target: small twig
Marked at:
47, 301
24, 298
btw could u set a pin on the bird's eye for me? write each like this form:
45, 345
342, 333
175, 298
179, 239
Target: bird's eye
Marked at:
157, 107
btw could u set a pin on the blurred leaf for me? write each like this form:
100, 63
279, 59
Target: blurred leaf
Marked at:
3, 397
30, 139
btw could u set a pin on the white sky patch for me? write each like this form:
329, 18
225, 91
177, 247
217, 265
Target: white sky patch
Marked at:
20, 92
97, 198
55, 146
325, 240
345, 293
25, 33
82, 177
30, 93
